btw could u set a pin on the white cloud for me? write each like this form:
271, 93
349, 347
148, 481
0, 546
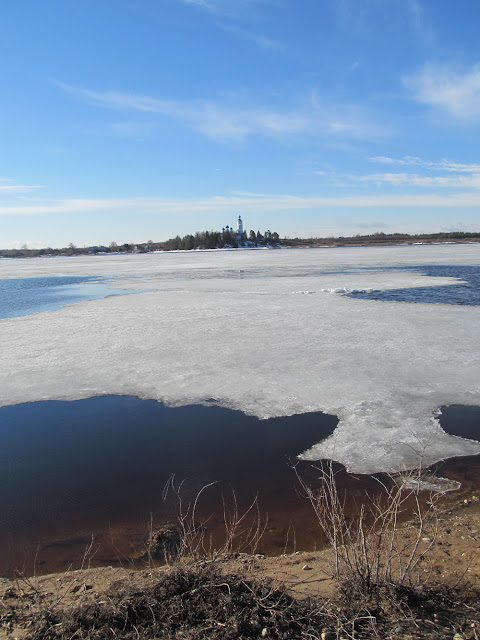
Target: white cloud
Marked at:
233, 122
255, 202
397, 179
387, 160
466, 176
450, 90
443, 165
7, 188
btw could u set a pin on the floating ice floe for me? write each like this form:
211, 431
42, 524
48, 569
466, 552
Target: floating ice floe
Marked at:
426, 482
336, 290
346, 290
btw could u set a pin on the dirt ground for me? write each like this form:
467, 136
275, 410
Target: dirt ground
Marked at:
453, 559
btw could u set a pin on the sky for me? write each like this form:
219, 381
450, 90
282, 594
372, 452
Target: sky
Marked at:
136, 120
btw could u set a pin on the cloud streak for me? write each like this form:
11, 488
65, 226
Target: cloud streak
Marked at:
417, 15
13, 189
236, 123
465, 176
229, 13
400, 179
245, 202
260, 40
444, 165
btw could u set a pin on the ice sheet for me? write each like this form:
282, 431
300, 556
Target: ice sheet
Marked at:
230, 325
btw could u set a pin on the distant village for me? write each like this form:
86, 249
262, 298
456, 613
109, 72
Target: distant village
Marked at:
233, 238
227, 238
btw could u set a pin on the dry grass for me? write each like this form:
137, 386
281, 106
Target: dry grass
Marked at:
203, 600
188, 536
367, 550
198, 601
382, 589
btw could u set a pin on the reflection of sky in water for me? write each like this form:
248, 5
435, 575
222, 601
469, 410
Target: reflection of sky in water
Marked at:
72, 467
25, 296
466, 292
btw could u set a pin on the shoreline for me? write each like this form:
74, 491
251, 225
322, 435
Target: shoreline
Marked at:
268, 486
118, 544
449, 562
460, 510
295, 244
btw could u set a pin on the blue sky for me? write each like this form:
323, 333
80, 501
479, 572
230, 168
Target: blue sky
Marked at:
136, 120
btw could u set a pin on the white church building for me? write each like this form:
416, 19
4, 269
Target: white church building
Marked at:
239, 230
239, 226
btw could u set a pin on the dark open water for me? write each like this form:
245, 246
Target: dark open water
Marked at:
466, 292
98, 467
68, 469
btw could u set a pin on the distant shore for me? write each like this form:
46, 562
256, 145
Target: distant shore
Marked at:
265, 241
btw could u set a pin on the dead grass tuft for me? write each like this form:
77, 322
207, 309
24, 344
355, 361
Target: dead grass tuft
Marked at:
184, 602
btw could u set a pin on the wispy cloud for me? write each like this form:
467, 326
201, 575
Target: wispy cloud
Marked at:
362, 17
233, 122
422, 28
8, 187
444, 165
467, 176
229, 14
456, 92
400, 179
252, 202
200, 3
262, 41
227, 8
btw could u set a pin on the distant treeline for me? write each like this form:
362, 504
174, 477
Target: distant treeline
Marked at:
72, 250
228, 238
221, 239
386, 238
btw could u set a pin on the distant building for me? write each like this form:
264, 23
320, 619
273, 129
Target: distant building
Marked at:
96, 249
239, 230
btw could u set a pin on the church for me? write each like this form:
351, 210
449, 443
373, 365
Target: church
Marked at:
239, 230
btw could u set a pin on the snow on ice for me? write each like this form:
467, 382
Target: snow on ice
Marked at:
228, 325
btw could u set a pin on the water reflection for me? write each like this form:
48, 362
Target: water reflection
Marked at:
71, 468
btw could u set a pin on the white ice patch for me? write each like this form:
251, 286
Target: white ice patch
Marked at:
426, 482
225, 325
336, 290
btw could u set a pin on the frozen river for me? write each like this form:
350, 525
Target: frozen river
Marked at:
271, 333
